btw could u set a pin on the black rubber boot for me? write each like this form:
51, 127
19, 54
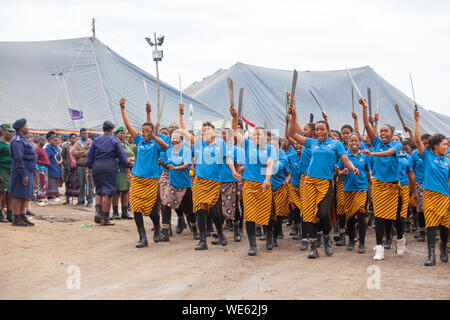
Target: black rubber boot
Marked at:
25, 219
181, 225
443, 249
228, 225
237, 232
304, 245
297, 235
156, 233
220, 238
313, 253
388, 243
319, 239
142, 238
164, 235
361, 247
125, 214
269, 239
280, 234
252, 249
194, 229
421, 236
209, 227
327, 245
341, 242
350, 245
202, 244
9, 215
105, 219
431, 261
294, 230
258, 231
98, 214
3, 218
18, 222
116, 213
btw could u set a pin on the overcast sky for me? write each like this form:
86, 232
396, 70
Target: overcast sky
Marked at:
394, 37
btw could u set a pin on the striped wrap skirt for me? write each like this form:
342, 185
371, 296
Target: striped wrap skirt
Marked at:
257, 202
436, 208
340, 196
302, 192
315, 190
295, 197
281, 201
404, 193
143, 194
205, 194
385, 199
354, 201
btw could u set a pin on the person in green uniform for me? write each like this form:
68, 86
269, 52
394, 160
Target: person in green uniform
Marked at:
124, 185
7, 133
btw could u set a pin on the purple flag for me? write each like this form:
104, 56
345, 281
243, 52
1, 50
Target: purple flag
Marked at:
76, 114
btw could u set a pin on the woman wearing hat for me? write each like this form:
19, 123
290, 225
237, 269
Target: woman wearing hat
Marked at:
123, 185
7, 132
102, 160
22, 169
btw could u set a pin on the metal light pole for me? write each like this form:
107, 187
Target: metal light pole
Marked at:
157, 56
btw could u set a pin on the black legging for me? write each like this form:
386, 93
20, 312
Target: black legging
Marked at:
214, 213
323, 214
341, 219
431, 235
277, 227
251, 227
186, 207
154, 216
361, 218
382, 225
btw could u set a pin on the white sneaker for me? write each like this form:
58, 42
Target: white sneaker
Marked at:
41, 203
401, 245
379, 252
57, 199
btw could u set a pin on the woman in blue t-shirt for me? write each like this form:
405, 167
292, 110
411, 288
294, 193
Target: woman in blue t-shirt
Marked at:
385, 185
318, 184
145, 175
436, 194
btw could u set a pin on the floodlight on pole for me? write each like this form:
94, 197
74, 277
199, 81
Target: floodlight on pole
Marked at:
157, 56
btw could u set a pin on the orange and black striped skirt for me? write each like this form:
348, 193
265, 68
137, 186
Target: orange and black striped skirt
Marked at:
205, 194
354, 201
302, 192
281, 202
314, 191
385, 199
257, 202
436, 208
143, 194
340, 196
295, 196
404, 193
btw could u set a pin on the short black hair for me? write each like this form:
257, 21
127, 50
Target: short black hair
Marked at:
83, 130
347, 126
326, 125
436, 139
425, 136
208, 124
149, 124
49, 134
71, 135
391, 128
312, 125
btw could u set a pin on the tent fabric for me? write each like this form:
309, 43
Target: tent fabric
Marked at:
32, 86
264, 97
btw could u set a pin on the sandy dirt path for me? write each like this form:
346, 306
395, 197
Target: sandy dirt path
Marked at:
34, 263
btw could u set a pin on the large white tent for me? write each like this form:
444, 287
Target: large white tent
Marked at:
39, 80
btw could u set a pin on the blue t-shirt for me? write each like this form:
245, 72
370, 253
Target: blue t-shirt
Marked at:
163, 154
148, 153
237, 156
359, 182
404, 166
256, 160
437, 172
305, 160
296, 172
417, 165
209, 158
281, 168
386, 168
179, 178
324, 156
290, 152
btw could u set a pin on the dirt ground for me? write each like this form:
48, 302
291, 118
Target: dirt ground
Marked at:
35, 261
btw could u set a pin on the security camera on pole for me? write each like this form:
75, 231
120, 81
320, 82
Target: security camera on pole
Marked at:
157, 56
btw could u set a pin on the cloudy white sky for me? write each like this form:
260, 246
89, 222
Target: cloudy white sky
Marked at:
395, 37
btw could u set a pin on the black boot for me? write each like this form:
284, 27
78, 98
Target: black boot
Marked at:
431, 261
220, 238
9, 215
237, 232
142, 238
304, 244
258, 231
361, 247
98, 213
116, 213
228, 225
350, 245
18, 222
181, 225
294, 230
202, 244
156, 233
263, 236
2, 218
195, 234
313, 253
388, 242
280, 234
341, 242
25, 219
327, 245
209, 227
421, 236
164, 235
125, 214
252, 249
105, 219
443, 249
269, 239
319, 239
297, 235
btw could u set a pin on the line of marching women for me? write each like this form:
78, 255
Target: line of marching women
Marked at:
329, 185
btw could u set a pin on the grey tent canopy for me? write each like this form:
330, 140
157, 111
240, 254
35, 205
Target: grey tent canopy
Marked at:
264, 97
35, 76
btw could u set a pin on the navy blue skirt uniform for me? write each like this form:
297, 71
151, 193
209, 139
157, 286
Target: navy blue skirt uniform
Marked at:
106, 177
23, 165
